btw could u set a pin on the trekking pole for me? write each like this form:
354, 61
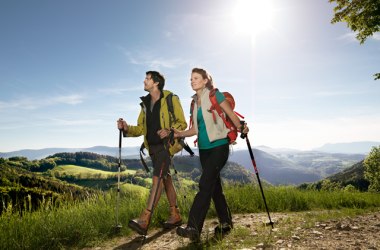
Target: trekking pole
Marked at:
118, 226
180, 187
154, 201
188, 149
255, 167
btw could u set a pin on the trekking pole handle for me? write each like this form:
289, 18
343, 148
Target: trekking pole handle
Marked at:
242, 135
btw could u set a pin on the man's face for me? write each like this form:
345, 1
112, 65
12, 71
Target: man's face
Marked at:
148, 83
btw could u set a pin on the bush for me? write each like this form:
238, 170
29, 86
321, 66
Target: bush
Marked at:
372, 169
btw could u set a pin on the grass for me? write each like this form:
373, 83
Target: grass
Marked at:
248, 199
75, 170
80, 224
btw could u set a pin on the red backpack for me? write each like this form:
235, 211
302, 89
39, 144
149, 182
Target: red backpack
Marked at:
233, 134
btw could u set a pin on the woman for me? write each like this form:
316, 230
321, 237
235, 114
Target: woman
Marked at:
213, 153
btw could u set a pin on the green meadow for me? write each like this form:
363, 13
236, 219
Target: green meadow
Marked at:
79, 171
69, 206
88, 223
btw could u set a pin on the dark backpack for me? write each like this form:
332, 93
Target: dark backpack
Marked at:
172, 119
233, 133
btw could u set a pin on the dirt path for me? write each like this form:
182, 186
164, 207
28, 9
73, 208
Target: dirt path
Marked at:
291, 231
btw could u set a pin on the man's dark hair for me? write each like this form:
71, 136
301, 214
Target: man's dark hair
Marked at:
157, 77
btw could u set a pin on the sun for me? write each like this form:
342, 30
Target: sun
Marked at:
252, 16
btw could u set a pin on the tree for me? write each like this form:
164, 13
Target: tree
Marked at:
328, 185
372, 169
361, 16
46, 164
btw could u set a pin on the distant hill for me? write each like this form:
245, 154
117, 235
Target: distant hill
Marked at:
353, 175
273, 169
362, 147
36, 154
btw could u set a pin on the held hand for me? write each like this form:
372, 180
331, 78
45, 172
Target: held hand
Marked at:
163, 133
176, 133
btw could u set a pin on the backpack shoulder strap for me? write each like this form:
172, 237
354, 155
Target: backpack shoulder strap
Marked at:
191, 113
214, 103
169, 102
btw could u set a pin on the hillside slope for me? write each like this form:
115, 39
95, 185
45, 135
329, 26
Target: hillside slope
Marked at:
26, 190
352, 176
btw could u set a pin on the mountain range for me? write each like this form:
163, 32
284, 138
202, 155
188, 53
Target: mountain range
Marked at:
361, 147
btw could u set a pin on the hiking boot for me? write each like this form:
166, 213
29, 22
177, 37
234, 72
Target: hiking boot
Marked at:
174, 220
223, 228
188, 232
140, 225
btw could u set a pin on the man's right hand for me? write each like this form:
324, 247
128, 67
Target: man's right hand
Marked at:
122, 125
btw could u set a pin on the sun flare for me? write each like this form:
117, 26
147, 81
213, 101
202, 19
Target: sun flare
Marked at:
252, 16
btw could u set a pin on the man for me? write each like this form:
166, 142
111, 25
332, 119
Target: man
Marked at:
154, 122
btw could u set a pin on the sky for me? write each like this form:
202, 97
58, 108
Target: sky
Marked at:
69, 69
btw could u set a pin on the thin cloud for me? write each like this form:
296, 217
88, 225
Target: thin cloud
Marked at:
119, 90
32, 103
75, 122
376, 36
150, 60
336, 93
348, 37
351, 37
42, 122
169, 35
69, 99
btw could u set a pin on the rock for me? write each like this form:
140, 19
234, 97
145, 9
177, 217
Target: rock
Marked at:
279, 242
260, 245
343, 227
355, 228
253, 234
317, 232
295, 237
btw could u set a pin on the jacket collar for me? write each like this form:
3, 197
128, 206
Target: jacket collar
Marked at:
146, 99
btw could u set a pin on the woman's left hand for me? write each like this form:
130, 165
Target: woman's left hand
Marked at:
245, 129
176, 133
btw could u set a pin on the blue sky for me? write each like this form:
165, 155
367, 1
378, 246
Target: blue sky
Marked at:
70, 69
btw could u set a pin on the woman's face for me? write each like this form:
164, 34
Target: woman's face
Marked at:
197, 81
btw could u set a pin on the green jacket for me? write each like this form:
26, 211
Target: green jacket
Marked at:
166, 121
